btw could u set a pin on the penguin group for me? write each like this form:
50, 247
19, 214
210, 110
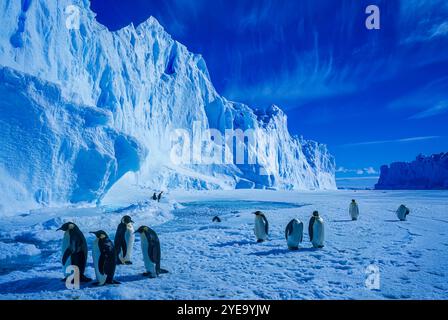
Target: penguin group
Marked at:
107, 254
316, 230
293, 230
157, 197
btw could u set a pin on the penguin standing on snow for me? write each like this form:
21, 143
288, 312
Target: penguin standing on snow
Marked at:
151, 251
402, 212
261, 229
159, 196
154, 196
74, 249
294, 234
124, 240
104, 258
316, 230
354, 210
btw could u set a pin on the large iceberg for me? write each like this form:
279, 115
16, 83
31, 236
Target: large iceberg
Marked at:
421, 174
83, 109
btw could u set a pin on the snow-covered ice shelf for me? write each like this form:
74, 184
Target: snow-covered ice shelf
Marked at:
222, 261
96, 109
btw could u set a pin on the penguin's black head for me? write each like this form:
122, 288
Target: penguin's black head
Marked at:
100, 234
141, 229
353, 200
315, 214
258, 213
67, 226
126, 220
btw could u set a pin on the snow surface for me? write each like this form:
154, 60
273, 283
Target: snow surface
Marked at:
14, 250
90, 109
209, 260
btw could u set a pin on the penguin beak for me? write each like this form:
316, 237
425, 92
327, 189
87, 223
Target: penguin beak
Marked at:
58, 229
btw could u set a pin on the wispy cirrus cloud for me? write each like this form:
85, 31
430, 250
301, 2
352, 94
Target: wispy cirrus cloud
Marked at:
439, 108
411, 139
428, 101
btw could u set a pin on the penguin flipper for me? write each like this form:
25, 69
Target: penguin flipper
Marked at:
310, 228
79, 260
124, 248
66, 255
101, 263
301, 231
119, 242
154, 252
266, 225
288, 230
154, 247
110, 266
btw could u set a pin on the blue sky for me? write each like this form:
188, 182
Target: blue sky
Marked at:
373, 96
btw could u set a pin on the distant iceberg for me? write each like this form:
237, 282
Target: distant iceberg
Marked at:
83, 108
424, 173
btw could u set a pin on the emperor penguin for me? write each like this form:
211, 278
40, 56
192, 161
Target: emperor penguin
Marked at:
151, 251
402, 212
261, 228
74, 250
104, 258
354, 210
124, 240
159, 196
316, 230
294, 234
154, 196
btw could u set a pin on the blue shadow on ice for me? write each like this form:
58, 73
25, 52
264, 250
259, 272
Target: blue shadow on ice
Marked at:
131, 278
235, 243
281, 251
32, 285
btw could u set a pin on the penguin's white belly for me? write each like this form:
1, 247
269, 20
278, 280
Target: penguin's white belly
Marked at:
65, 245
318, 233
149, 265
260, 230
354, 211
129, 237
101, 278
295, 237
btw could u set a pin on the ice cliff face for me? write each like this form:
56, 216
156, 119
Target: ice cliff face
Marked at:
422, 173
83, 108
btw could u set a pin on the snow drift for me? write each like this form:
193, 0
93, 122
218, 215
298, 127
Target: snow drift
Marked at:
421, 174
83, 108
